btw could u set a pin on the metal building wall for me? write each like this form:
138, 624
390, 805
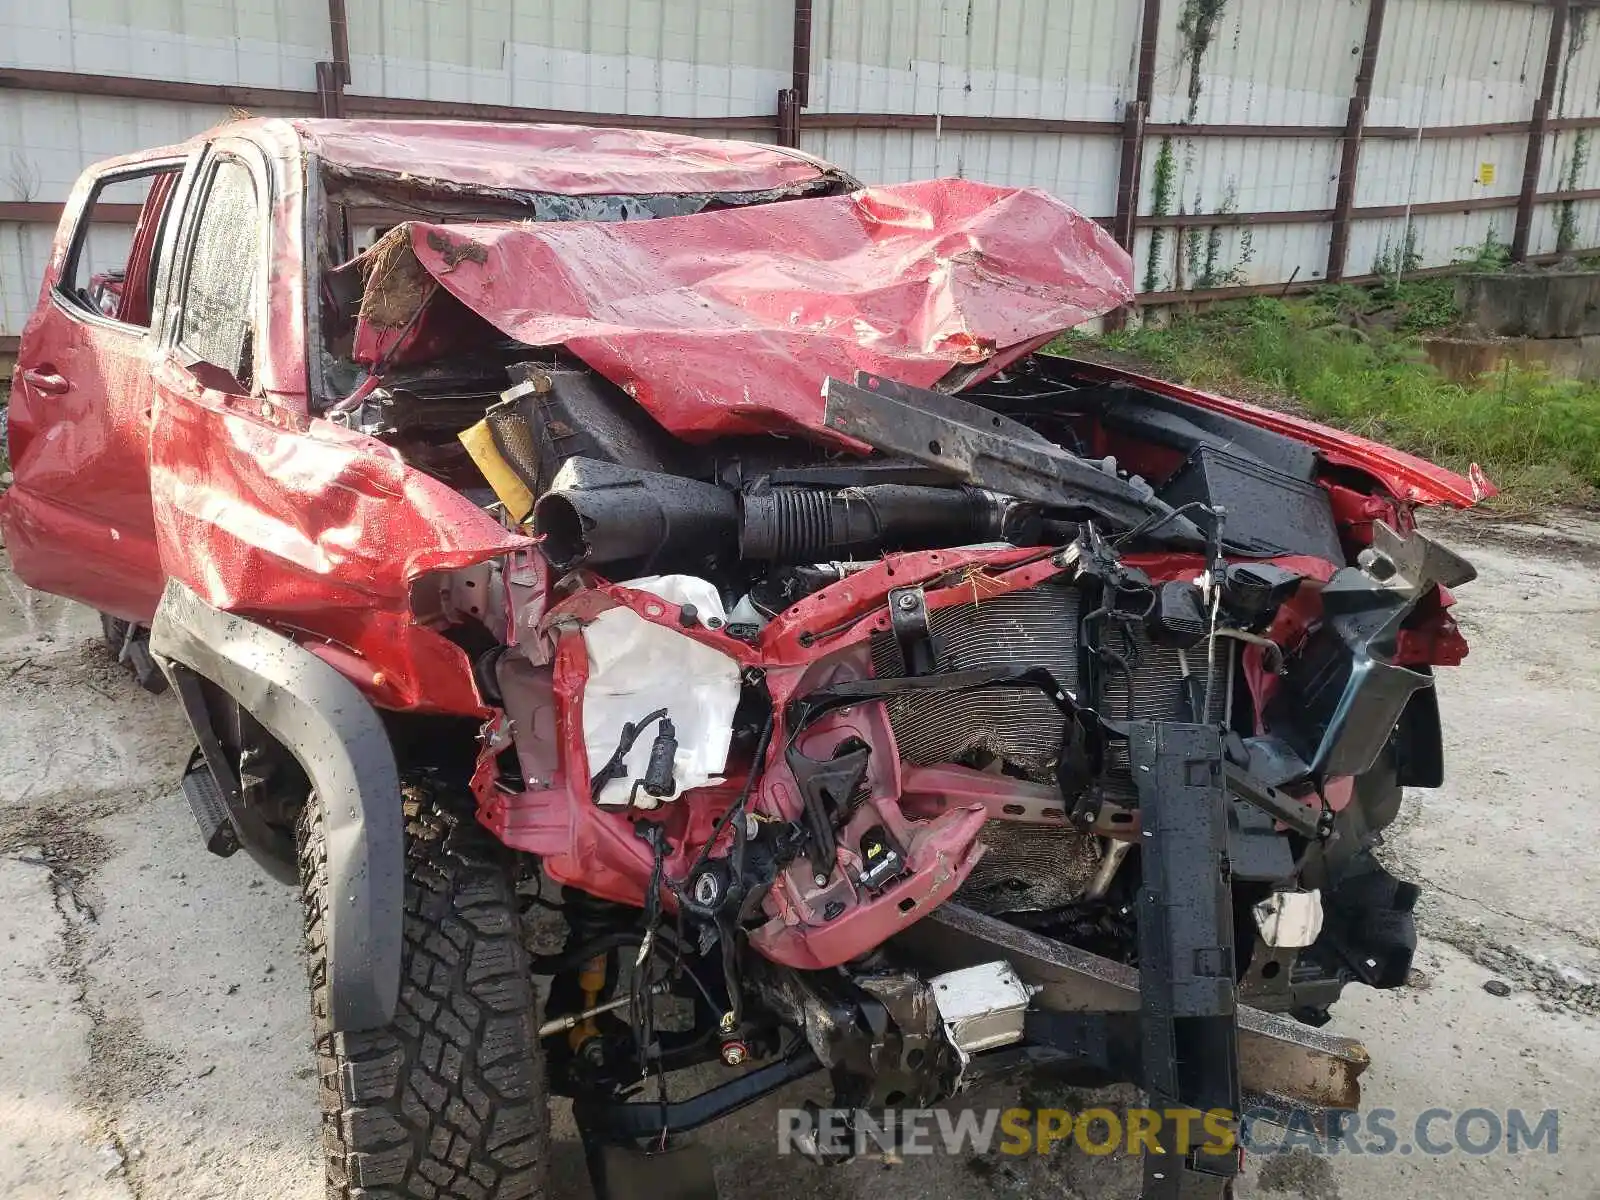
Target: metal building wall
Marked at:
1214, 141
678, 58
257, 43
1038, 60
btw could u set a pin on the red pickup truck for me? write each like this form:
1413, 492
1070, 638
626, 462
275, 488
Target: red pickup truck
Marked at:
679, 539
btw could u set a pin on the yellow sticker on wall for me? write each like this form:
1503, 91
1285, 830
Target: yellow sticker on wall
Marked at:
1485, 173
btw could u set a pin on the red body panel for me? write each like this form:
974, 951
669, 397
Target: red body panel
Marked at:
728, 322
78, 517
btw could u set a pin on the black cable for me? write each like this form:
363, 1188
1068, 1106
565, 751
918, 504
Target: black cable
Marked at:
757, 766
1156, 520
617, 764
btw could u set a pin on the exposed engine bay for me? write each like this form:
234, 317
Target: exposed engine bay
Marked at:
1017, 653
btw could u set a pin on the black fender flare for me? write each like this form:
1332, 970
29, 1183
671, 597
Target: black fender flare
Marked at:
339, 740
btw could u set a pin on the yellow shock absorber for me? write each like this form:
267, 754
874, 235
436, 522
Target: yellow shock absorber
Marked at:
591, 982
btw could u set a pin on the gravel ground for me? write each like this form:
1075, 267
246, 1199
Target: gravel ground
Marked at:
153, 1021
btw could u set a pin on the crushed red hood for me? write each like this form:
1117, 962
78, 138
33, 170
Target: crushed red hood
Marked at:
566, 160
728, 321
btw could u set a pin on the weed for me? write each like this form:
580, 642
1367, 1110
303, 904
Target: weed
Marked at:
1538, 437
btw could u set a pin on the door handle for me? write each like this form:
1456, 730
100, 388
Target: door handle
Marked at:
45, 380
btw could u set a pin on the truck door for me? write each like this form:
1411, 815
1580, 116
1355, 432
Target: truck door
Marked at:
78, 518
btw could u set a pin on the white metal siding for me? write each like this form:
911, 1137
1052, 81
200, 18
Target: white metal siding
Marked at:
1231, 174
1458, 62
1263, 62
1007, 58
254, 43
24, 253
47, 139
1227, 255
1408, 170
694, 58
1082, 171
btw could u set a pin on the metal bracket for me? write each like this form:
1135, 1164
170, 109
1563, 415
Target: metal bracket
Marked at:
908, 621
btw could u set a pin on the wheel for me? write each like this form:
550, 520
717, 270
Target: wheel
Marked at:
450, 1100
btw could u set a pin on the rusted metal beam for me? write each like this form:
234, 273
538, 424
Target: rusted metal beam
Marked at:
788, 118
1199, 129
1534, 159
330, 92
127, 87
1350, 152
1130, 167
271, 101
801, 53
1280, 1060
947, 122
1300, 216
339, 37
397, 106
1316, 216
1379, 212
48, 212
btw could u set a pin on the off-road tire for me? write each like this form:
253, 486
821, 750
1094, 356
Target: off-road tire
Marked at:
449, 1102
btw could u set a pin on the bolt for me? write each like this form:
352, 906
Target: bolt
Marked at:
734, 1054
820, 879
706, 889
908, 601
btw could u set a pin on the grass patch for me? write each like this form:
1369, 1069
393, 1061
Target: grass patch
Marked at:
1347, 357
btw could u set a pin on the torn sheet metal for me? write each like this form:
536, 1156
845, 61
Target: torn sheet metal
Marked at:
316, 528
727, 322
636, 668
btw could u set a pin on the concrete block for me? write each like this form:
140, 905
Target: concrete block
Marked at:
1531, 304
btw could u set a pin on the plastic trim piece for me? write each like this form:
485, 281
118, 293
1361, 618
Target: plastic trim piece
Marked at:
340, 742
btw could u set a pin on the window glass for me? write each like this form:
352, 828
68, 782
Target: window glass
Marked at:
111, 270
219, 297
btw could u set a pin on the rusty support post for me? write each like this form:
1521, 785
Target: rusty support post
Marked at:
1350, 152
1131, 168
1537, 128
330, 93
1134, 116
339, 28
332, 76
788, 118
802, 53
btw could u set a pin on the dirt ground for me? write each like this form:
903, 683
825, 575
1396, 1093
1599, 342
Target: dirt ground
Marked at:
153, 1018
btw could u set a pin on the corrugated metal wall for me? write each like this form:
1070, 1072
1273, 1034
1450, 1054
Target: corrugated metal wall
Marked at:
1247, 104
1034, 59
689, 58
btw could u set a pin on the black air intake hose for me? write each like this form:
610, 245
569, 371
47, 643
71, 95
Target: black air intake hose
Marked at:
803, 525
597, 512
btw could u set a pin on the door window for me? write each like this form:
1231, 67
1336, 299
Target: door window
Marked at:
110, 268
218, 325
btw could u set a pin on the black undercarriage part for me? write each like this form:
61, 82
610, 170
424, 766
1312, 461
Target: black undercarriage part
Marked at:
1186, 976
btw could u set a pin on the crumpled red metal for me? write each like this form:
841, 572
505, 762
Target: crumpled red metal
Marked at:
727, 322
